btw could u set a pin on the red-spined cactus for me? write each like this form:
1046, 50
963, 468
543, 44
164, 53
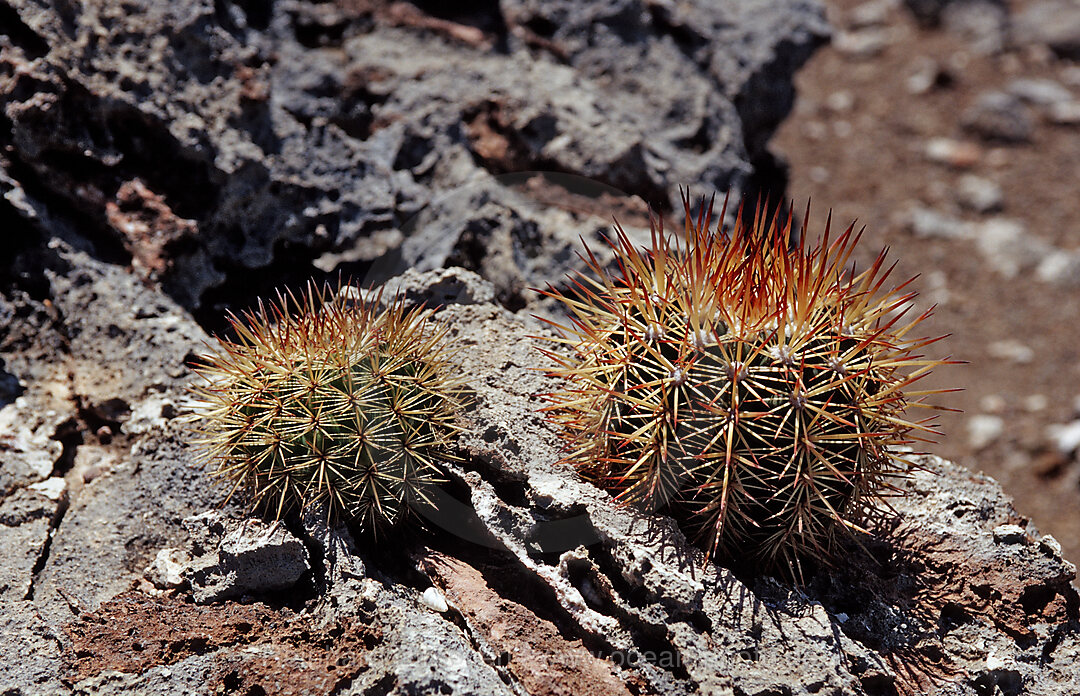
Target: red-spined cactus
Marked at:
752, 385
325, 401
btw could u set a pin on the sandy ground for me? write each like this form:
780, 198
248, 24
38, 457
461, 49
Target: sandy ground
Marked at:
857, 144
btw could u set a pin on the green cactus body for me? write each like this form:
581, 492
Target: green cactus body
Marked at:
335, 404
756, 392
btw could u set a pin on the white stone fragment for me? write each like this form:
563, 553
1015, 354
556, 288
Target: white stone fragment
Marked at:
1066, 438
1009, 534
983, 429
434, 600
167, 569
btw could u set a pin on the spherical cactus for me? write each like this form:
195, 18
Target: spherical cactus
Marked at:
326, 401
751, 385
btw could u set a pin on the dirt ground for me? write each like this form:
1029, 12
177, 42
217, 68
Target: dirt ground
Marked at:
857, 143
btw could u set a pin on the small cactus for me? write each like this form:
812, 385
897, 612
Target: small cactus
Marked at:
322, 401
753, 387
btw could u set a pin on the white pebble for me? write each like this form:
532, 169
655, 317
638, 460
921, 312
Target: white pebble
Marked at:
434, 600
1066, 438
983, 429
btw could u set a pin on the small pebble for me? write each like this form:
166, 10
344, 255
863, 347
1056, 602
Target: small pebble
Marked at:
1060, 267
840, 101
1011, 350
873, 13
983, 429
434, 600
1039, 92
863, 43
1009, 534
1065, 438
999, 116
1034, 403
955, 153
1064, 113
928, 223
979, 194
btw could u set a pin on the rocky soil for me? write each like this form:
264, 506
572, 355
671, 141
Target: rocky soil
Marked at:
161, 162
955, 140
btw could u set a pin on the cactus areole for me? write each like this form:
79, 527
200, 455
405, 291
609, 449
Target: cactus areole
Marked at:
747, 382
321, 400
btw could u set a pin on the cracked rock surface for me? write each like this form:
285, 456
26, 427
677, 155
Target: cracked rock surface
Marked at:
529, 580
304, 136
161, 161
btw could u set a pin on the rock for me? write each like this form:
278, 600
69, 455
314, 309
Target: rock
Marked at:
253, 558
930, 224
933, 12
863, 43
302, 136
927, 74
1039, 92
871, 13
1066, 438
549, 568
28, 444
1009, 534
982, 23
1065, 113
10, 387
27, 520
1061, 268
30, 651
1001, 117
167, 570
984, 429
840, 101
979, 194
1013, 351
1053, 23
449, 286
955, 153
1008, 248
434, 600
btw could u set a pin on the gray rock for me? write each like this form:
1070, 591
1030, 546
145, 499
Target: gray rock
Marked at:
982, 22
1009, 534
1065, 113
932, 224
618, 580
299, 139
871, 13
1066, 437
1009, 248
984, 429
30, 652
440, 288
166, 572
1040, 92
27, 519
28, 442
979, 194
997, 116
1053, 23
1060, 267
252, 558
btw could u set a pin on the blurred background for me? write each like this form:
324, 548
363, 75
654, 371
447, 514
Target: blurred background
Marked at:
951, 130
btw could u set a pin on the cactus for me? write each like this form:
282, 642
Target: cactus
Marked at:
322, 401
752, 386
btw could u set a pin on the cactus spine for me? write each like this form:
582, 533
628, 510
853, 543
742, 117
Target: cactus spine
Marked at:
753, 388
322, 401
